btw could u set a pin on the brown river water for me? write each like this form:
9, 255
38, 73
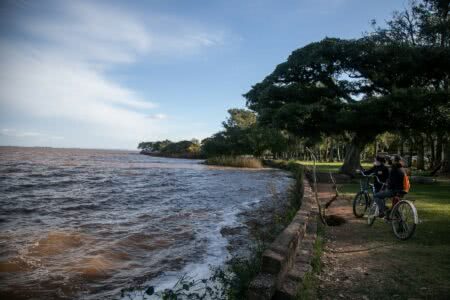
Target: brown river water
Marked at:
83, 224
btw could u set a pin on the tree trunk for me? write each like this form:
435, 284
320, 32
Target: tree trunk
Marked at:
331, 152
445, 169
431, 144
439, 149
338, 152
420, 153
402, 146
352, 159
327, 149
410, 151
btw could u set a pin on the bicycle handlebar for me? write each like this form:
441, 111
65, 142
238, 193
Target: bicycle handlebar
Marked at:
371, 175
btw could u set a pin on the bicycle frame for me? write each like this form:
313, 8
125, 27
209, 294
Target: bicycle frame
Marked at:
365, 187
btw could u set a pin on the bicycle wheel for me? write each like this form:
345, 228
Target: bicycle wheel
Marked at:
403, 219
372, 214
360, 204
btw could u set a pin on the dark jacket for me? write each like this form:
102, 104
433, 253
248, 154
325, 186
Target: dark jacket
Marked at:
382, 172
396, 176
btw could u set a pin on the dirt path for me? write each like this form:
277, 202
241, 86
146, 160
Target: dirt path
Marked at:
362, 262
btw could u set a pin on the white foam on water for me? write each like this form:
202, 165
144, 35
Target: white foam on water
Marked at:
216, 253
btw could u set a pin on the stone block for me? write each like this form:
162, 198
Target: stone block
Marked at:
307, 244
288, 290
306, 207
287, 240
262, 287
272, 262
298, 271
303, 254
301, 217
311, 227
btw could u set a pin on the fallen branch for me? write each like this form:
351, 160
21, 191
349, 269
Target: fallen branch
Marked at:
319, 206
336, 196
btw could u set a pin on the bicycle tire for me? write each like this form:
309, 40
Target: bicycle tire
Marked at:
360, 202
372, 214
403, 219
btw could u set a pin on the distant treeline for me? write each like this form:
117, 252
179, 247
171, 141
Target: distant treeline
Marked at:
241, 136
182, 149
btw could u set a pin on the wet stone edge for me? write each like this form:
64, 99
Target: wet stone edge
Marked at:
288, 258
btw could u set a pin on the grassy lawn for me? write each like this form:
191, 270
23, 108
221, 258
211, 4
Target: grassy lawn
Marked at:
433, 205
327, 167
422, 264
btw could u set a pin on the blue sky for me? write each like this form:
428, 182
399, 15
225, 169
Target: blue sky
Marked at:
109, 74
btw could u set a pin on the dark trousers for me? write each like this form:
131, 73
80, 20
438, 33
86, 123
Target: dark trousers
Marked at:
379, 199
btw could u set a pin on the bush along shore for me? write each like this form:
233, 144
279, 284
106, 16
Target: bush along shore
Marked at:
235, 161
232, 280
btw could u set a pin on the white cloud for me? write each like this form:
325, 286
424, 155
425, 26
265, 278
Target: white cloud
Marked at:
157, 117
91, 32
104, 33
60, 71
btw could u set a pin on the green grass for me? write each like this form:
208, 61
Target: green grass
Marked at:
433, 206
327, 167
235, 161
423, 260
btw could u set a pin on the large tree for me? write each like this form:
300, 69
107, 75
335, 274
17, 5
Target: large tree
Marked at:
359, 87
315, 92
425, 23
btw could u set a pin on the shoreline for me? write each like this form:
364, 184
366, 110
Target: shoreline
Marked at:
236, 236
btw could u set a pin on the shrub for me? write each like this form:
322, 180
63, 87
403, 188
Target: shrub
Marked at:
235, 161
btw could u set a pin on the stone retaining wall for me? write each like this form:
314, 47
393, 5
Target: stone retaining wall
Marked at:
288, 258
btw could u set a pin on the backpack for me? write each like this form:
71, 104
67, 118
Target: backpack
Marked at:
406, 184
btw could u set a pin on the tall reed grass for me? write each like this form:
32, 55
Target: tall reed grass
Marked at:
235, 161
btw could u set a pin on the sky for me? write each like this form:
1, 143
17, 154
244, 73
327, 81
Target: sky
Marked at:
109, 74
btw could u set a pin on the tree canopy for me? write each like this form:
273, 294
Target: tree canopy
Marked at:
361, 86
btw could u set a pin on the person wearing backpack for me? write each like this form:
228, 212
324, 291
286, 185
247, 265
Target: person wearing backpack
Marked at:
398, 184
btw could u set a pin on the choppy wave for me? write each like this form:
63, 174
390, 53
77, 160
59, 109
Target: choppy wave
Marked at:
86, 223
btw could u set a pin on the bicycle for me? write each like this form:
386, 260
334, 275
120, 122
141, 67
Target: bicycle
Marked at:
362, 199
402, 216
